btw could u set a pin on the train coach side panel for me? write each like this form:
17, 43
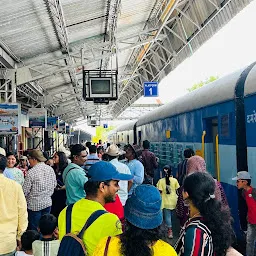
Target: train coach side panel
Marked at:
186, 131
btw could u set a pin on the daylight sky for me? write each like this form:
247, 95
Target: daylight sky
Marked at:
232, 48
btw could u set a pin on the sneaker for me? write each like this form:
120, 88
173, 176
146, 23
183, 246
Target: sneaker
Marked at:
170, 234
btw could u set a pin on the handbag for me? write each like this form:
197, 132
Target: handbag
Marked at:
107, 245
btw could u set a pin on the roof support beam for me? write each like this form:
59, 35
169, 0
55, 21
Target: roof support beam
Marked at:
56, 13
175, 34
188, 18
171, 7
5, 59
214, 3
210, 26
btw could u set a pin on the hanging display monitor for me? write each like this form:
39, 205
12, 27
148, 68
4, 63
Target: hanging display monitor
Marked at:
93, 121
100, 87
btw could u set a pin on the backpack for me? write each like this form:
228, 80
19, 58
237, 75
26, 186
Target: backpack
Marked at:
72, 244
64, 179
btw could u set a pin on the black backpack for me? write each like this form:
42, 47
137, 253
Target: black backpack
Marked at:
72, 244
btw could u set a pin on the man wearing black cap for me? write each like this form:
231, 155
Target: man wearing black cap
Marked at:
101, 188
38, 187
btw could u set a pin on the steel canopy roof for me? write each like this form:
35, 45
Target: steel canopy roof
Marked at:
44, 44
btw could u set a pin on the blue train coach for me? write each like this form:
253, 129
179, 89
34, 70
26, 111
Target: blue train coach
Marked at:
218, 121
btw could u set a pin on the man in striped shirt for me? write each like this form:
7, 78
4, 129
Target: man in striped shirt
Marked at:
92, 158
38, 187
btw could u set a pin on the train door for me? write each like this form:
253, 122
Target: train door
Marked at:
211, 146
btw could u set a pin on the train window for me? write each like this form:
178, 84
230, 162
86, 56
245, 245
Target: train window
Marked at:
225, 126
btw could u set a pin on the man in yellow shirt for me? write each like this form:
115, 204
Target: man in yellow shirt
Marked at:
101, 188
13, 212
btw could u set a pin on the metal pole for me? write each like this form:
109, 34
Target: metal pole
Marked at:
33, 138
58, 141
78, 137
43, 139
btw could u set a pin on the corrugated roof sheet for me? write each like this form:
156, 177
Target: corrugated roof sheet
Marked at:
31, 32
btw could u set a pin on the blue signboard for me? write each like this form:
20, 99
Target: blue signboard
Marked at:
52, 123
150, 89
37, 117
105, 125
9, 118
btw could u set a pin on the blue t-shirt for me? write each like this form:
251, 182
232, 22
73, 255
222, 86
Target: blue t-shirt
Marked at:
74, 181
137, 170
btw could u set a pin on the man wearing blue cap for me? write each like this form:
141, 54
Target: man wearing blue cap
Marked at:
243, 181
101, 188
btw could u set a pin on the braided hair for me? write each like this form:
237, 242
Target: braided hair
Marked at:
167, 174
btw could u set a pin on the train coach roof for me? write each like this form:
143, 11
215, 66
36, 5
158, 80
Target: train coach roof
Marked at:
218, 91
126, 127
250, 83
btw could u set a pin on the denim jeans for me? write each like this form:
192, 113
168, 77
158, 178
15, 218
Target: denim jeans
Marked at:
167, 216
34, 217
250, 239
8, 254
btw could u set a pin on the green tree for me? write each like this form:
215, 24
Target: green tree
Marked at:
202, 83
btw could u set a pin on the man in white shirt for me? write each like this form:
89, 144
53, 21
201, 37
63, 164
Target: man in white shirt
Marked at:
113, 152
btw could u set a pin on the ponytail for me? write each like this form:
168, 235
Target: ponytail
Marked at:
167, 177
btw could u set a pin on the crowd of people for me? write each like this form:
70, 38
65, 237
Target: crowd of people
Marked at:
100, 200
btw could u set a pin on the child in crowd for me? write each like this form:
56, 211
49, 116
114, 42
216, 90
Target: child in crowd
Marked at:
167, 187
48, 245
243, 181
27, 239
